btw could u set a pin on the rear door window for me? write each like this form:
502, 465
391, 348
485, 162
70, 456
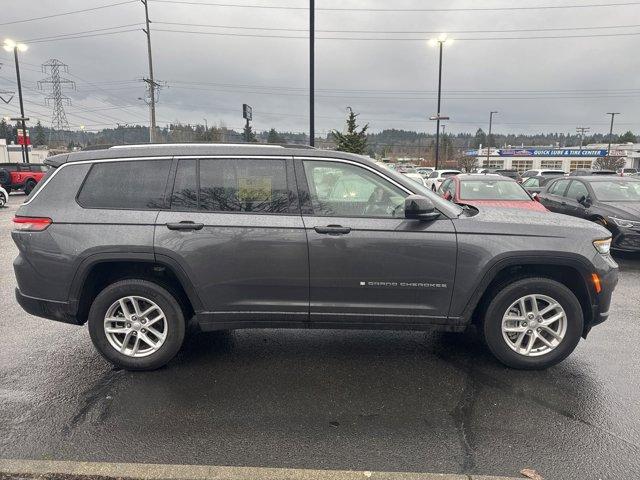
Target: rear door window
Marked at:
232, 185
126, 185
559, 187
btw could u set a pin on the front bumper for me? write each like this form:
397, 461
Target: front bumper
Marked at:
626, 240
601, 302
52, 310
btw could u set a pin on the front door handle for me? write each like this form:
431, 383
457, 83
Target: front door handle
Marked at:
333, 230
185, 225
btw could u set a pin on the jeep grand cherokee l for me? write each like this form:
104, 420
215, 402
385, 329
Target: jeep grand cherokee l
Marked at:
136, 241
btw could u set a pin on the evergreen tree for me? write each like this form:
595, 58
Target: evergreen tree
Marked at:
6, 131
273, 137
480, 139
627, 137
248, 134
352, 141
39, 137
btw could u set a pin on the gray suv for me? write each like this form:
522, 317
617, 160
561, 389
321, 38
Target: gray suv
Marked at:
137, 241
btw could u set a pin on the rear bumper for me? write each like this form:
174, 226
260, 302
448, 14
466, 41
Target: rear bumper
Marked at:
52, 310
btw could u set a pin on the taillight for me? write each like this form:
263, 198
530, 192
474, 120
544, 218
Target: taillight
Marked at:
31, 224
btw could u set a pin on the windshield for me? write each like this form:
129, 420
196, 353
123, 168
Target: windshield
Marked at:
617, 191
491, 190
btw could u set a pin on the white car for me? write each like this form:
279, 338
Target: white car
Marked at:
548, 172
4, 197
412, 173
435, 179
425, 171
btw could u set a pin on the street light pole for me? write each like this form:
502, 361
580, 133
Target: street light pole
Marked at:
439, 42
489, 136
312, 60
613, 115
8, 46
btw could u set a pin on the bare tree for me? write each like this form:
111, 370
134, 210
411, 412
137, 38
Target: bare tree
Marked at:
608, 163
467, 163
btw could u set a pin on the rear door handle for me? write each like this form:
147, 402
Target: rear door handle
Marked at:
185, 225
333, 230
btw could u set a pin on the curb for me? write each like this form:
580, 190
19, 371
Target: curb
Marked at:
142, 471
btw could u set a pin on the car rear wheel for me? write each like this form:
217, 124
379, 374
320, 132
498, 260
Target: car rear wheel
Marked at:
30, 185
136, 324
533, 323
3, 200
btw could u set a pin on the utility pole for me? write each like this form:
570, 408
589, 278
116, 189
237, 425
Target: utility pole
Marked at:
489, 136
151, 83
582, 131
59, 121
312, 60
613, 115
8, 46
444, 140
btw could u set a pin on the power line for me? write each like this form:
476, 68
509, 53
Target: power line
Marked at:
229, 34
454, 9
49, 37
404, 32
13, 22
57, 39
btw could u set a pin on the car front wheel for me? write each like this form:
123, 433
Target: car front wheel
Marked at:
136, 324
533, 323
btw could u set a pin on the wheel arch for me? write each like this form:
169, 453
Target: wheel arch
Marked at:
100, 270
568, 270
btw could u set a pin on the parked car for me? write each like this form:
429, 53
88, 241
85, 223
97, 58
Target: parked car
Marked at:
4, 197
612, 202
487, 190
625, 172
541, 173
436, 178
587, 172
21, 176
425, 171
138, 241
412, 173
534, 185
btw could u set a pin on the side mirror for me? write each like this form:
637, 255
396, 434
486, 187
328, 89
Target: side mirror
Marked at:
421, 208
535, 196
447, 196
584, 200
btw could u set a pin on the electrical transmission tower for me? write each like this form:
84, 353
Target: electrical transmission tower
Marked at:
581, 131
55, 84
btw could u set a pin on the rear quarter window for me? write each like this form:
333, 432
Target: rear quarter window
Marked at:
126, 185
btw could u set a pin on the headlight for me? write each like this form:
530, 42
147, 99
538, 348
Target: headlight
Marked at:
621, 222
603, 246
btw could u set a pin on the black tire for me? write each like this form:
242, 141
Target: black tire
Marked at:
3, 200
511, 292
8, 189
29, 186
433, 187
5, 177
154, 292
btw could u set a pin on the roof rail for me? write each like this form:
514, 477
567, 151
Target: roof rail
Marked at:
146, 145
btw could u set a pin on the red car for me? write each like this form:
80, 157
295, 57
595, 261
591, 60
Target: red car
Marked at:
488, 189
21, 176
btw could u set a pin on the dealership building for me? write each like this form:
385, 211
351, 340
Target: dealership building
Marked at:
567, 159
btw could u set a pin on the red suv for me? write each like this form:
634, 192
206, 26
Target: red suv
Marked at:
21, 176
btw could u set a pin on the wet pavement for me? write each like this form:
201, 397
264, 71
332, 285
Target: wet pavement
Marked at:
393, 401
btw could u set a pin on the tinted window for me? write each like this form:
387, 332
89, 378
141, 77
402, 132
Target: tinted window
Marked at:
558, 188
134, 185
577, 190
530, 173
433, 175
345, 190
532, 182
258, 186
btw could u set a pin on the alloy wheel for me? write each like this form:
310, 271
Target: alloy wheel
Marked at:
534, 325
135, 326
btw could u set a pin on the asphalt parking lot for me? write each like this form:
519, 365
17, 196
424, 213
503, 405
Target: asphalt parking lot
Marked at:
393, 401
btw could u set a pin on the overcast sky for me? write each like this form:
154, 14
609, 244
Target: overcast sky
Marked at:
536, 85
